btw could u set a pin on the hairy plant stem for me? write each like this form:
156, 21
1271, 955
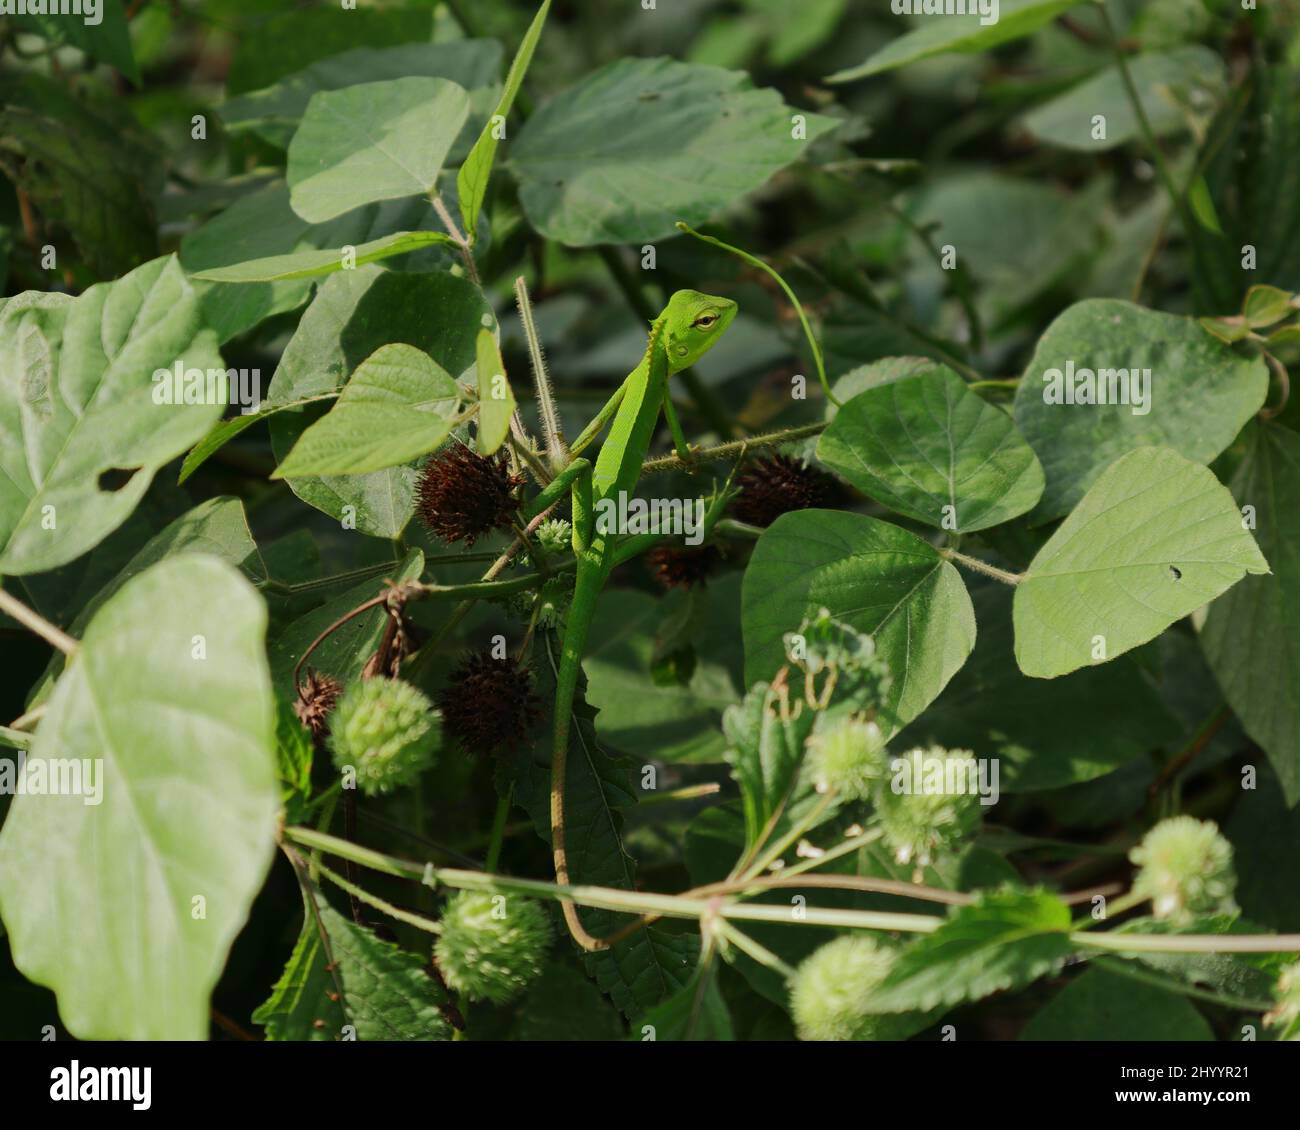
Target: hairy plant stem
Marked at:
754, 261
557, 451
724, 910
982, 567
733, 447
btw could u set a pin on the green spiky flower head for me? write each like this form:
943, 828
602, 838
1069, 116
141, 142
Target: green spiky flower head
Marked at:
1186, 869
385, 729
930, 803
847, 756
491, 946
555, 536
830, 995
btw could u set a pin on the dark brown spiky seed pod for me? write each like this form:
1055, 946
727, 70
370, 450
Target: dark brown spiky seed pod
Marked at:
777, 484
682, 567
464, 495
489, 703
316, 698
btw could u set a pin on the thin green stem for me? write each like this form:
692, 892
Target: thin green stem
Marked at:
396, 912
758, 952
754, 261
557, 452
807, 821
499, 828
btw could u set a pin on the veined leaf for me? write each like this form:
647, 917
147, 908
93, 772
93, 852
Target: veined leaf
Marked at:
930, 448
1164, 381
1004, 940
77, 402
382, 991
398, 405
688, 141
1101, 1004
875, 577
1155, 538
127, 904
375, 141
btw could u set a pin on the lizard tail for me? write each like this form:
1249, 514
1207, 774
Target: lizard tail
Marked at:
566, 685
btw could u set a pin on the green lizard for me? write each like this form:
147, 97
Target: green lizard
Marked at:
686, 329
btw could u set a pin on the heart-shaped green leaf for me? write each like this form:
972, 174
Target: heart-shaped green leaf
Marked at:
1155, 538
400, 404
930, 448
125, 903
374, 141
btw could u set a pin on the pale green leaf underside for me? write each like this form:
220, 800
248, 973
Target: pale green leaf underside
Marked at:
312, 264
399, 405
1004, 941
872, 575
77, 399
1156, 537
384, 992
930, 448
275, 112
642, 143
100, 900
966, 34
1251, 636
375, 141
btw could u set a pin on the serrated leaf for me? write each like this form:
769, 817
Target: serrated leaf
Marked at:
375, 141
496, 399
1168, 84
764, 750
1004, 940
1250, 635
1198, 396
871, 575
966, 34
77, 400
649, 965
930, 448
275, 112
1156, 537
689, 141
385, 993
399, 404
472, 179
353, 314
100, 899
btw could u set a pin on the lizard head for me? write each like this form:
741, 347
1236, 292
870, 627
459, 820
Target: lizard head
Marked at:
693, 322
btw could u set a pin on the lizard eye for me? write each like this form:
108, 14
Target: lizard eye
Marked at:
704, 321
